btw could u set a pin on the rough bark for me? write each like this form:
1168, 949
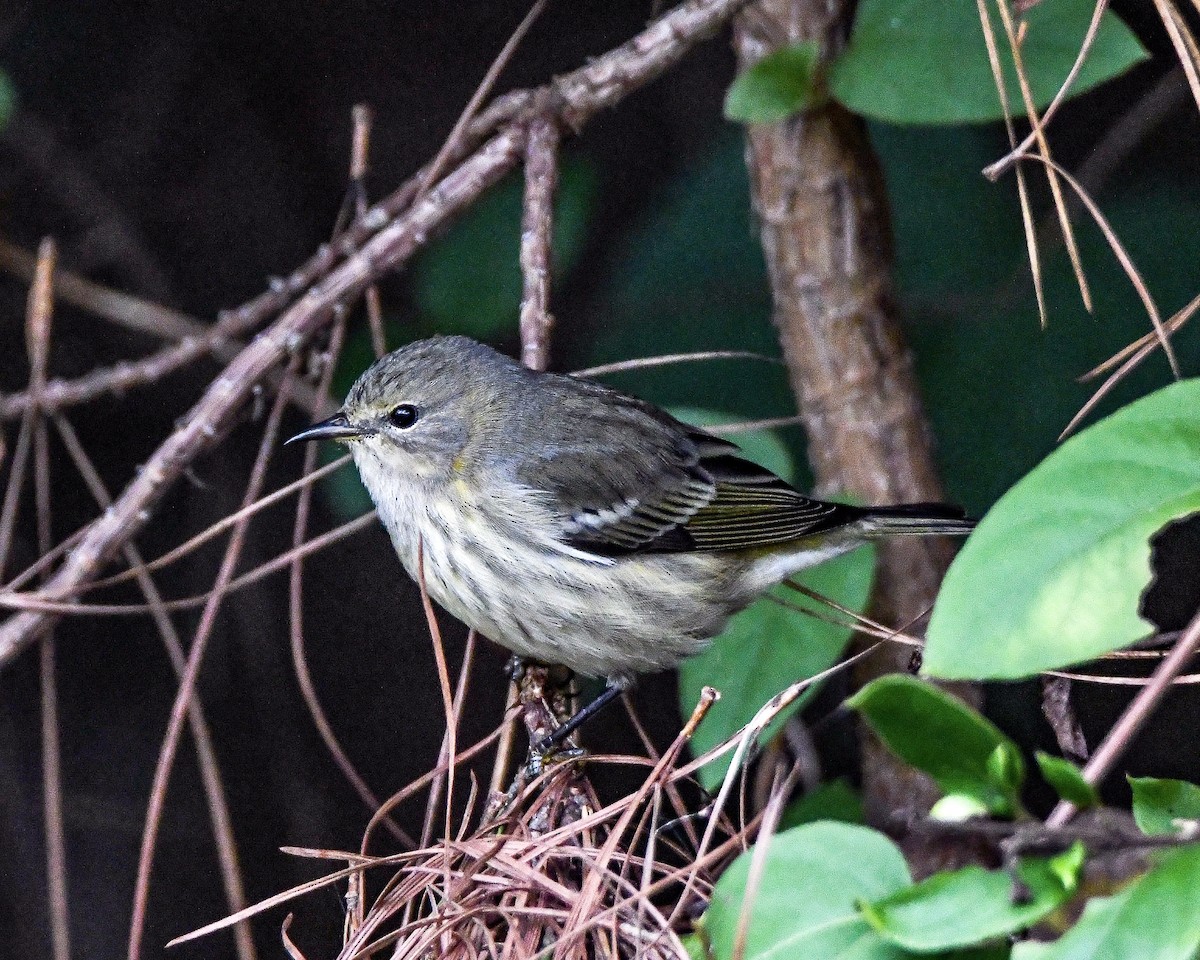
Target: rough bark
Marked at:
820, 197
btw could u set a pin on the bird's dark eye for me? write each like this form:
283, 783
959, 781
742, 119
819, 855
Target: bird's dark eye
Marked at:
404, 416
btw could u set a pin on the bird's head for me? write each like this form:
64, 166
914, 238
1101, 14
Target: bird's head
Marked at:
425, 411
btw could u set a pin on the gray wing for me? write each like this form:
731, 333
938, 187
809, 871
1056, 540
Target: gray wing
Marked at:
622, 476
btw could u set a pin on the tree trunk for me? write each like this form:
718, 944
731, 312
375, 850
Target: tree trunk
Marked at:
820, 196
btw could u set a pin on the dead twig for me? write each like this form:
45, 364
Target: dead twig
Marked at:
1057, 709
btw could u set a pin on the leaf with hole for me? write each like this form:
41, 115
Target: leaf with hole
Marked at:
1054, 573
940, 735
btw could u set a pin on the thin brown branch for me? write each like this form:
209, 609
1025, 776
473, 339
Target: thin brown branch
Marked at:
1131, 721
541, 181
206, 756
12, 490
1024, 837
187, 684
132, 313
39, 312
459, 133
360, 154
642, 363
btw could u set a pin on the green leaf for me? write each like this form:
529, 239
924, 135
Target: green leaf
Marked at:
694, 945
1158, 804
780, 84
8, 99
764, 650
1067, 780
925, 61
835, 800
961, 908
805, 903
939, 734
469, 281
1156, 918
1053, 574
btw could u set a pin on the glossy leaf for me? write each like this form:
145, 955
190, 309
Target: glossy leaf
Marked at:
961, 908
1159, 804
780, 84
925, 61
1157, 918
1067, 780
805, 903
939, 734
1053, 574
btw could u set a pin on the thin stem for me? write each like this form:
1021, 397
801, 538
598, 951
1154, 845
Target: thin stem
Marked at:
1126, 728
206, 757
187, 684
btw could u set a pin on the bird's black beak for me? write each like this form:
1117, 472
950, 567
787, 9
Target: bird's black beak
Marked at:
336, 427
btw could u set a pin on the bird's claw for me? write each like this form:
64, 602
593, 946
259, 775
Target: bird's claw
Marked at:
543, 755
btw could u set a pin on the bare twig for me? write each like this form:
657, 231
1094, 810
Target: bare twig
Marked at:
642, 363
1024, 837
459, 133
1057, 709
359, 165
37, 340
132, 313
187, 683
541, 181
206, 757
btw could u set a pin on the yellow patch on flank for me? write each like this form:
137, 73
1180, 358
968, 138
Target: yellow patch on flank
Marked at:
459, 464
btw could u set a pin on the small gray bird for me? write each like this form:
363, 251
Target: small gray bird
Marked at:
575, 524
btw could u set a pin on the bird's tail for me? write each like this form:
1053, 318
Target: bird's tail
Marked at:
916, 518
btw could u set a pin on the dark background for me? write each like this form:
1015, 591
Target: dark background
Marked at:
187, 152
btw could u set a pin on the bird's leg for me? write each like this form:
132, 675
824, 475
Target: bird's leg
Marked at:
556, 737
515, 668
